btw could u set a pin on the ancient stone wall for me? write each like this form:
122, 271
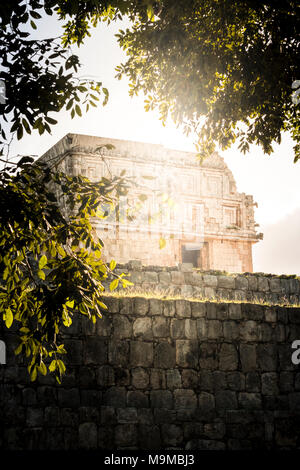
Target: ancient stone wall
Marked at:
158, 374
183, 280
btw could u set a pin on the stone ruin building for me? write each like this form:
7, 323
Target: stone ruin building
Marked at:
195, 208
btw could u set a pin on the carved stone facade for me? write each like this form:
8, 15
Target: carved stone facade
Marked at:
195, 208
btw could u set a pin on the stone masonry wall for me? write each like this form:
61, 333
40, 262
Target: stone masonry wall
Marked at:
188, 282
158, 374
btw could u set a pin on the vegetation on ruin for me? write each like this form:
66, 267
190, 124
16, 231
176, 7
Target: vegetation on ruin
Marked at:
238, 62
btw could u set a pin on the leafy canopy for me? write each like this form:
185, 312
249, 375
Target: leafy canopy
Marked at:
50, 260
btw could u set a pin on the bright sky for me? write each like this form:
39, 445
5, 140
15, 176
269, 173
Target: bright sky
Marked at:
272, 180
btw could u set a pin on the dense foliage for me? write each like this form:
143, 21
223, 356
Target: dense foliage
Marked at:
50, 260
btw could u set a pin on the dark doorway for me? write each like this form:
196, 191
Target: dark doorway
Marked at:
190, 256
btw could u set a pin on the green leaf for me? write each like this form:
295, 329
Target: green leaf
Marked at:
8, 317
70, 303
42, 368
114, 284
112, 265
43, 261
33, 374
78, 110
52, 366
41, 274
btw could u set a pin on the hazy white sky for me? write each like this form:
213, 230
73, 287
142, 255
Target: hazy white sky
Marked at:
272, 180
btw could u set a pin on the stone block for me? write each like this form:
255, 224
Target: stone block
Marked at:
214, 329
253, 312
164, 355
141, 306
187, 353
122, 327
115, 396
177, 278
137, 399
231, 330
95, 350
112, 304
86, 377
107, 415
210, 292
157, 379
149, 437
190, 378
205, 445
262, 284
29, 397
270, 314
164, 277
160, 327
201, 327
294, 402
118, 353
250, 401
249, 331
140, 378
214, 430
210, 281
286, 382
127, 415
228, 357
141, 353
226, 400
235, 381
161, 399
88, 414
185, 399
208, 356
155, 307
173, 379
253, 382
222, 311
226, 282
125, 435
198, 309
234, 311
177, 328
69, 398
267, 357
90, 397
186, 291
241, 283
142, 328
248, 357
275, 285
269, 383
126, 305
105, 376
74, 350
183, 308
190, 329
171, 435
34, 417
252, 283
169, 308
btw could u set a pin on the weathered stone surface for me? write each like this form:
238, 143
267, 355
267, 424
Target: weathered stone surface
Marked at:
177, 328
241, 283
155, 306
137, 399
106, 376
142, 328
183, 308
226, 282
187, 353
198, 309
95, 351
122, 327
140, 378
185, 399
141, 353
250, 401
262, 284
210, 281
249, 331
208, 356
226, 400
267, 357
177, 277
231, 330
169, 308
190, 329
171, 434
253, 382
190, 378
235, 380
173, 379
126, 435
269, 383
164, 355
228, 357
87, 436
214, 329
248, 357
234, 311
118, 352
160, 327
141, 306
161, 399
